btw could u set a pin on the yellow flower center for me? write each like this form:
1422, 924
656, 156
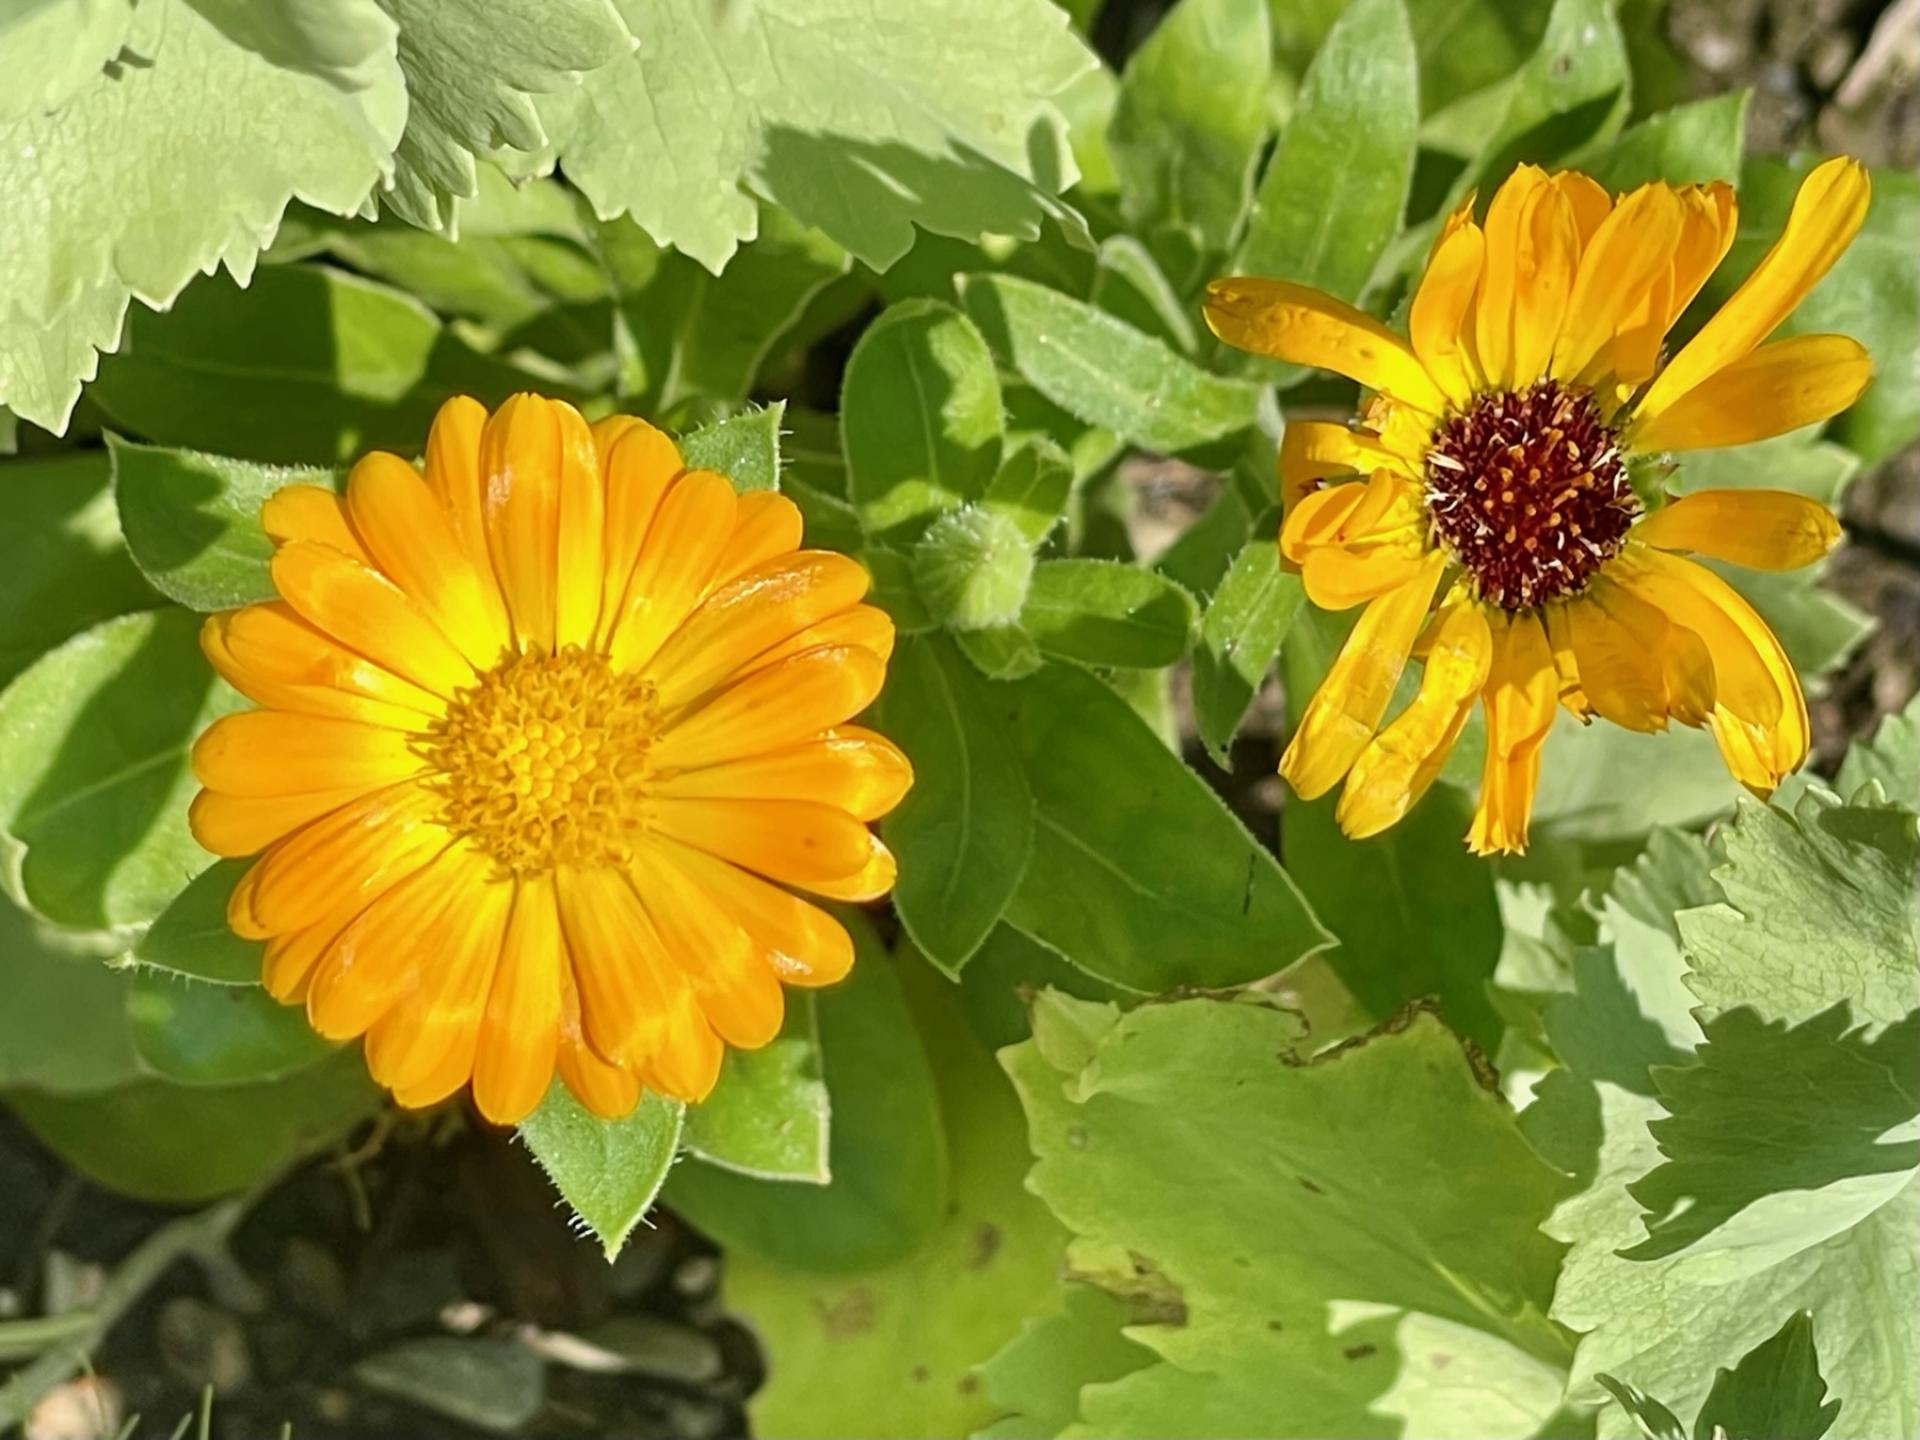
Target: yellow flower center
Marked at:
1528, 490
542, 762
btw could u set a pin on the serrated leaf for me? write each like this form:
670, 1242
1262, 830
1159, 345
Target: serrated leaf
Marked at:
1037, 1377
823, 112
1240, 635
89, 226
1334, 191
768, 1115
1891, 759
192, 521
63, 564
193, 1033
1102, 371
1100, 612
93, 779
609, 1171
1775, 1393
887, 1151
57, 47
920, 415
1139, 874
1365, 1212
348, 43
472, 68
1690, 144
191, 937
963, 832
745, 448
1190, 118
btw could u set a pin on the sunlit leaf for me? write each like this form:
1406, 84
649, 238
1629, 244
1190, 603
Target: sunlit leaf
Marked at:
608, 1171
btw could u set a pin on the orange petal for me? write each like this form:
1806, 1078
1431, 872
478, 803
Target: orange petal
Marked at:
329, 701
803, 943
271, 645
629, 986
453, 475
234, 825
269, 752
367, 612
1630, 251
736, 989
1438, 318
766, 526
344, 858
639, 464
1305, 327
519, 1039
860, 772
769, 709
796, 842
311, 512
1520, 698
676, 566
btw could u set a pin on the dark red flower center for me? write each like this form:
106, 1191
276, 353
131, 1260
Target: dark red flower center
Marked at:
1529, 491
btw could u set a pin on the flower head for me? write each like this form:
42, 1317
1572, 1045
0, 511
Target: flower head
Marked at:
1489, 472
551, 730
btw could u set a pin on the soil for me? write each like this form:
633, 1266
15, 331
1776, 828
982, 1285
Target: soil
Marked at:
441, 1227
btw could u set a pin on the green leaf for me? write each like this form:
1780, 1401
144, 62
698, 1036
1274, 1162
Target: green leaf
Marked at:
1819, 630
920, 415
1190, 119
1473, 45
963, 832
1099, 612
1818, 469
472, 67
745, 448
1001, 652
1775, 1393
767, 1116
1656, 1422
1572, 88
608, 1171
1103, 371
93, 780
1129, 283
828, 115
1415, 913
1037, 1377
1031, 488
1687, 145
306, 366
894, 588
1240, 634
1891, 760
193, 1033
1830, 880
887, 1151
889, 1348
63, 566
55, 48
1139, 874
182, 1144
1872, 293
63, 1012
1680, 779
1334, 192
191, 937
1371, 1218
973, 568
192, 521
105, 231
348, 43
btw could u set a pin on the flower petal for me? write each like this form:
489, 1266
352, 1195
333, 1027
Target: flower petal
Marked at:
345, 857
310, 512
1619, 642
1777, 388
1442, 307
860, 772
519, 1038
1630, 251
520, 468
367, 612
269, 752
1758, 529
235, 825
766, 526
772, 708
627, 982
803, 943
736, 989
1500, 278
609, 1091
329, 701
271, 644
1301, 325
796, 842
1520, 698
640, 465
580, 576
1548, 259
452, 470
683, 547
1752, 677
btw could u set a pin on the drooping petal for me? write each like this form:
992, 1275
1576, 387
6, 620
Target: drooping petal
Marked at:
1305, 327
1779, 387
1346, 709
1400, 763
1573, 695
1338, 577
1751, 675
1758, 529
1316, 450
1619, 643
519, 1038
1826, 214
1520, 698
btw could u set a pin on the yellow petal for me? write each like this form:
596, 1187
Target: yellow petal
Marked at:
796, 842
520, 466
453, 475
785, 703
1548, 259
1759, 529
269, 752
1630, 251
860, 772
344, 858
519, 1037
235, 825
865, 626
1346, 709
1441, 308
1709, 217
609, 1091
1500, 277
1588, 201
640, 465
1751, 675
629, 988
735, 988
688, 1064
803, 943
765, 527
581, 541
366, 612
870, 882
1520, 697
308, 512
1338, 578
1618, 643
676, 566
264, 688
409, 537
271, 643
1400, 763
1826, 214
1777, 388
1573, 695
1315, 450
1301, 325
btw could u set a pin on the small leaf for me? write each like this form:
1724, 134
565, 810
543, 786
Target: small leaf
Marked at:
1687, 145
920, 415
1775, 1393
768, 1115
1099, 612
609, 1171
1002, 652
973, 568
191, 937
1891, 759
1654, 1420
1102, 370
194, 1033
1240, 634
963, 831
745, 448
192, 521
1031, 488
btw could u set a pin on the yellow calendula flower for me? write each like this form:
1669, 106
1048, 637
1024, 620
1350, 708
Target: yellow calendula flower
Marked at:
552, 728
1489, 472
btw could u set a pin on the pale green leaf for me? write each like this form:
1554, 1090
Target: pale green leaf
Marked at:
1240, 634
348, 43
472, 67
1573, 88
90, 225
1370, 1222
1038, 1376
1000, 652
192, 521
1190, 119
1100, 612
55, 48
93, 779
817, 108
745, 448
608, 1171
1680, 779
1891, 760
1128, 282
1102, 371
768, 1115
1656, 1422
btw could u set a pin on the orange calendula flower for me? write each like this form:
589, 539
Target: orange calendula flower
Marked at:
552, 729
1489, 474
